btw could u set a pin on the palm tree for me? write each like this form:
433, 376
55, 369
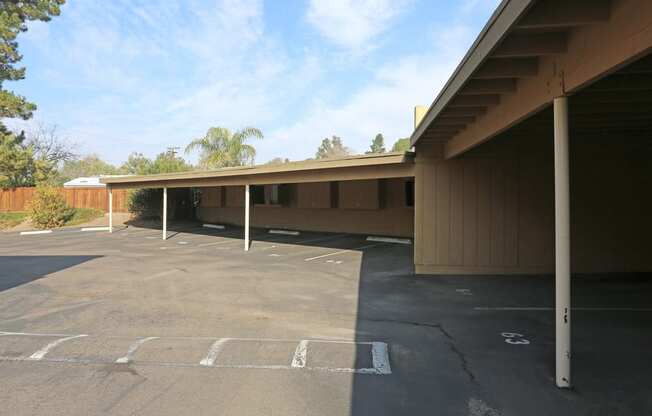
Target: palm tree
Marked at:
220, 148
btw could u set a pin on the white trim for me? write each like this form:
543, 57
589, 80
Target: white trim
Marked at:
110, 209
284, 232
215, 226
165, 213
246, 226
389, 239
35, 232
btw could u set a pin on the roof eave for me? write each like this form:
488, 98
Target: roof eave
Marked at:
503, 18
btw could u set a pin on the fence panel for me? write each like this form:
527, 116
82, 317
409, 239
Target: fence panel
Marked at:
16, 199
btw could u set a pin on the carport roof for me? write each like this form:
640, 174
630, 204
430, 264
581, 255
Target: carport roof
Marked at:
395, 164
529, 53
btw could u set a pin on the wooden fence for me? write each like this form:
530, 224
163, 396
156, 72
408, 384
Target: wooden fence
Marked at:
16, 199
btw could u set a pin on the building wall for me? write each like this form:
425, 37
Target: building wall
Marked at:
492, 210
360, 207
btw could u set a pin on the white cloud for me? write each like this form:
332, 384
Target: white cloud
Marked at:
385, 105
159, 74
353, 23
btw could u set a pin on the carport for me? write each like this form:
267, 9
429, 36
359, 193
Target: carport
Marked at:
370, 194
542, 133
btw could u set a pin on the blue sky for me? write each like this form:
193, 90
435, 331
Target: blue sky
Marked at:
126, 76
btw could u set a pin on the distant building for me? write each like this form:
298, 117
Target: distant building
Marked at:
85, 182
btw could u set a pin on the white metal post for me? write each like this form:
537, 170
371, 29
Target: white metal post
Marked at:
562, 246
165, 213
246, 230
110, 210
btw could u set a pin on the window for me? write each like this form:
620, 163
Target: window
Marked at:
257, 194
409, 193
271, 197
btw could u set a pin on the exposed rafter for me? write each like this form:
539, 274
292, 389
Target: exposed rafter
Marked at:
565, 13
536, 44
475, 100
451, 121
508, 68
489, 86
462, 111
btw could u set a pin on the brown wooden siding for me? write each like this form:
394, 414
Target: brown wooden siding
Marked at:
492, 211
310, 209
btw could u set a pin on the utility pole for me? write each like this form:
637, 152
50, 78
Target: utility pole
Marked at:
172, 151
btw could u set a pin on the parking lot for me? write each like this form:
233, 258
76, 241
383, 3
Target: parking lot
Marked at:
309, 324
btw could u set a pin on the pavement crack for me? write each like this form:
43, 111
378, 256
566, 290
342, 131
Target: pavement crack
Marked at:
463, 360
451, 341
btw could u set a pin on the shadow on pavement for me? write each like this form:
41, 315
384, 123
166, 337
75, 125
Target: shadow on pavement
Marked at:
20, 270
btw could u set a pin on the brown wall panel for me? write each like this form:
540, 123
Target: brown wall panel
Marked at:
442, 210
235, 196
484, 213
456, 255
506, 197
314, 195
359, 194
470, 212
394, 220
212, 196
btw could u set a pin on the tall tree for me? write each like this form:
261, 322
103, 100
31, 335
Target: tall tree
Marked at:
332, 148
49, 146
18, 166
90, 165
16, 161
137, 164
168, 162
377, 144
221, 148
14, 16
401, 145
278, 161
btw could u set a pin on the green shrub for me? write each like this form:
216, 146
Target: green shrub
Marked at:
48, 208
83, 215
146, 203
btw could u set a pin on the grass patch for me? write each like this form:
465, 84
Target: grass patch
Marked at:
82, 215
11, 219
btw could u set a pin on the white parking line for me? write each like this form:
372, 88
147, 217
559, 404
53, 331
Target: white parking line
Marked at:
215, 226
132, 350
299, 359
341, 252
33, 334
389, 239
380, 358
35, 232
234, 240
545, 308
284, 232
379, 354
213, 352
38, 355
300, 242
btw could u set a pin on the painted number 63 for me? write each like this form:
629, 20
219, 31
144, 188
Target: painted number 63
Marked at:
514, 338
